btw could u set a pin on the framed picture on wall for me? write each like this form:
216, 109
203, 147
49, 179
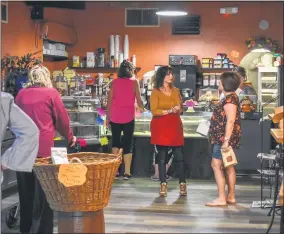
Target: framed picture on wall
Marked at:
4, 12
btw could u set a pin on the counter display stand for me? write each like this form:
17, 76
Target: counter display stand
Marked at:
79, 191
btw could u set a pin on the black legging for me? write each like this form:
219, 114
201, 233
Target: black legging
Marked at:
35, 214
128, 130
162, 157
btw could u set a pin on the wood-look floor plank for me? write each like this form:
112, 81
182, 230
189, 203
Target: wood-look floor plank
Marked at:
135, 207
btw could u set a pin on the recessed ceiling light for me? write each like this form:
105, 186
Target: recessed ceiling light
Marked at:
171, 13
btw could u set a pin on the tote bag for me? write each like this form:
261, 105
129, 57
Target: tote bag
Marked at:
203, 128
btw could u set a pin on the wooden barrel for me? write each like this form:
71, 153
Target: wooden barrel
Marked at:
81, 222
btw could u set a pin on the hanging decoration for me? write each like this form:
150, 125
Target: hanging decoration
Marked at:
235, 54
262, 43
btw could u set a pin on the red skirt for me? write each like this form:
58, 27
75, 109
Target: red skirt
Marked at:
167, 130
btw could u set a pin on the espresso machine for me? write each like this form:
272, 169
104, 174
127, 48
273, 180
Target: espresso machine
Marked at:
185, 73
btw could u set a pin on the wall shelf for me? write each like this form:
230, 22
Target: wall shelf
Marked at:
55, 58
94, 69
54, 42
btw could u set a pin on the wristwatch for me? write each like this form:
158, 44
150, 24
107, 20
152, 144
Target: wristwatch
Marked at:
226, 139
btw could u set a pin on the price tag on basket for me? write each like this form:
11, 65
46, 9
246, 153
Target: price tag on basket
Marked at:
72, 174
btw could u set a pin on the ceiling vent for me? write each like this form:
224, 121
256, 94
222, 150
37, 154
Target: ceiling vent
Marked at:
186, 25
141, 17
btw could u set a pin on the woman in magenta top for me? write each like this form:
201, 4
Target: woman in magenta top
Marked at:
121, 112
44, 106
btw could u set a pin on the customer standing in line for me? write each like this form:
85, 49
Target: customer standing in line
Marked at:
243, 88
121, 112
225, 131
43, 104
166, 126
21, 156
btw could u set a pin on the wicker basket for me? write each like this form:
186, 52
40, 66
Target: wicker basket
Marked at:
93, 195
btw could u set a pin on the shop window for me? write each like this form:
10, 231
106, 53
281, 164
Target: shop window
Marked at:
137, 17
4, 11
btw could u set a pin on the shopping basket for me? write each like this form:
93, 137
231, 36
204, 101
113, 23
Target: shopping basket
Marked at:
93, 195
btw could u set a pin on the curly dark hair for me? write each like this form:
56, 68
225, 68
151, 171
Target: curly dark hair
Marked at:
126, 69
161, 73
230, 81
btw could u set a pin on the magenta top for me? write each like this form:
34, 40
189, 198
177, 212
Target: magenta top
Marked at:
123, 102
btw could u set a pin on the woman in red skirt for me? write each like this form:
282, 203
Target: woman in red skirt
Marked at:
166, 126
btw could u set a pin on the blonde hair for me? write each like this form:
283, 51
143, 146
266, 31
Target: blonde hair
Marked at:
39, 76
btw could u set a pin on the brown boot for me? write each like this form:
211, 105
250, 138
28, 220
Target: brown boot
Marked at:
182, 189
163, 190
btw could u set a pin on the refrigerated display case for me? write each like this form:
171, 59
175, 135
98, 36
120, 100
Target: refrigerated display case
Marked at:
190, 121
83, 114
267, 87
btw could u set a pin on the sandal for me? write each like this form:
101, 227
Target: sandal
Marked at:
214, 204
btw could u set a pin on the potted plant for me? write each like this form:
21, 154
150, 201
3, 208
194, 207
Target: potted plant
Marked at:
262, 43
16, 70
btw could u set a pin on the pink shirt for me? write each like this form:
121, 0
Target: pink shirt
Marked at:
123, 102
45, 107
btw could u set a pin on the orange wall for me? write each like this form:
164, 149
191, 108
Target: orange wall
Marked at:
153, 45
150, 45
18, 36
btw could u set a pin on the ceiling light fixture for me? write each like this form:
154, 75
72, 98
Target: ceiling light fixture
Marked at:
171, 13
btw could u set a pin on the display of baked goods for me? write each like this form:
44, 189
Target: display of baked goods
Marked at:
208, 96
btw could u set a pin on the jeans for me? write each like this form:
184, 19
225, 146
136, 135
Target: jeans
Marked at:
162, 159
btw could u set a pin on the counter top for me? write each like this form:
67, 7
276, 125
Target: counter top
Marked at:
148, 134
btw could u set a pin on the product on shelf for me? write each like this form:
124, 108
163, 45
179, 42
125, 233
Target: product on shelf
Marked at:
61, 85
91, 59
206, 79
77, 86
207, 62
76, 61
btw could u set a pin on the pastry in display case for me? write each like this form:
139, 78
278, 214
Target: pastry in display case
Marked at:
208, 98
208, 94
83, 115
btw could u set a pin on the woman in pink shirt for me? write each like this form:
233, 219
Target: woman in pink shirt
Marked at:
121, 112
43, 104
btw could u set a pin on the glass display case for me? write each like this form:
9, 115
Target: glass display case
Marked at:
208, 94
267, 87
190, 121
83, 117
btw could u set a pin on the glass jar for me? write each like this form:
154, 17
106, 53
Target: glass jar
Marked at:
61, 84
77, 86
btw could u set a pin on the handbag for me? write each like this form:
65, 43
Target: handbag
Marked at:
203, 128
229, 157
